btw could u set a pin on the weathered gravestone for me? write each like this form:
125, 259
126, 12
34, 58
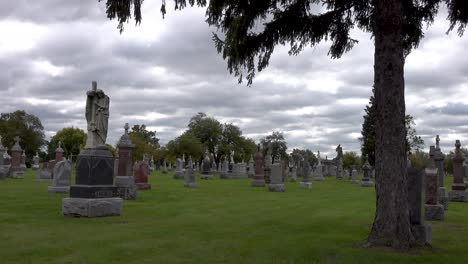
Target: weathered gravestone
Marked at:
190, 179
354, 175
179, 172
62, 177
366, 177
140, 172
458, 193
124, 180
94, 194
439, 157
164, 167
305, 183
23, 161
276, 181
206, 170
44, 174
293, 177
3, 169
422, 232
318, 173
339, 162
15, 170
267, 165
251, 167
35, 162
433, 209
258, 179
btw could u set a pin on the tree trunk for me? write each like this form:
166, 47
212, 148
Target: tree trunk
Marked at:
391, 224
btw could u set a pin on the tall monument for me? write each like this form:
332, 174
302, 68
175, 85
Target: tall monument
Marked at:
94, 193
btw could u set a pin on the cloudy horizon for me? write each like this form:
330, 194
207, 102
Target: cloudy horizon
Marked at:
163, 72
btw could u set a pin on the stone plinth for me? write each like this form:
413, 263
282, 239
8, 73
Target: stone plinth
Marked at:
126, 187
258, 178
96, 207
179, 172
293, 177
93, 194
366, 177
16, 171
354, 177
318, 175
62, 180
433, 209
458, 193
140, 172
276, 180
44, 174
422, 232
190, 177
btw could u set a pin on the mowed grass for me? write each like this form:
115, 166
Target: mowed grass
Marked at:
222, 221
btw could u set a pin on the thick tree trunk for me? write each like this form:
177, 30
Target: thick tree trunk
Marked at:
391, 224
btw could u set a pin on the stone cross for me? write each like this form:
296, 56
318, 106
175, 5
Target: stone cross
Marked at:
437, 142
17, 139
126, 127
59, 144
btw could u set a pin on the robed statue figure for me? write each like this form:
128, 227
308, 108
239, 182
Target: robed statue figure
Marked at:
97, 116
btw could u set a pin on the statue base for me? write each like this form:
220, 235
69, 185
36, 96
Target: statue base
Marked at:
305, 185
98, 207
278, 187
258, 183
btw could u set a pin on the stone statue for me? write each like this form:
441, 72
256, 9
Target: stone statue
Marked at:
319, 160
97, 116
339, 151
437, 142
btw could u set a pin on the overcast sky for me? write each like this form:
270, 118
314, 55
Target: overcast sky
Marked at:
165, 71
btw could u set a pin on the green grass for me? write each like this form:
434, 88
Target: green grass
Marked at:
222, 221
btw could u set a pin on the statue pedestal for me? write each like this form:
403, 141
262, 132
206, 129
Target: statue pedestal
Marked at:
93, 194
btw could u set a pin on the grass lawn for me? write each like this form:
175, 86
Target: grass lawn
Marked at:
222, 221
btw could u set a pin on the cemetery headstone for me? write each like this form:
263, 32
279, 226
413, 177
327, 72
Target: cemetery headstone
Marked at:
354, 176
164, 167
62, 177
94, 194
458, 193
439, 157
293, 177
206, 170
15, 170
3, 168
267, 165
44, 173
319, 169
124, 180
305, 183
251, 167
179, 172
433, 209
140, 172
35, 162
422, 232
190, 180
224, 174
258, 179
339, 162
276, 180
366, 177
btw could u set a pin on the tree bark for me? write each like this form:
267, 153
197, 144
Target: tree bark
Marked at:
391, 224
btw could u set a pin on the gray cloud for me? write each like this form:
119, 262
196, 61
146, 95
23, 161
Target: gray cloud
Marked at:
163, 72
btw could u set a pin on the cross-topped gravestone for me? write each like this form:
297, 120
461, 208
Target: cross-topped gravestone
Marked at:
15, 170
458, 193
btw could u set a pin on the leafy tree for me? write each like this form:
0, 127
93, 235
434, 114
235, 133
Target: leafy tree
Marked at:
397, 28
27, 126
413, 142
207, 129
351, 158
187, 144
278, 145
419, 159
297, 155
448, 162
368, 131
145, 142
73, 140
